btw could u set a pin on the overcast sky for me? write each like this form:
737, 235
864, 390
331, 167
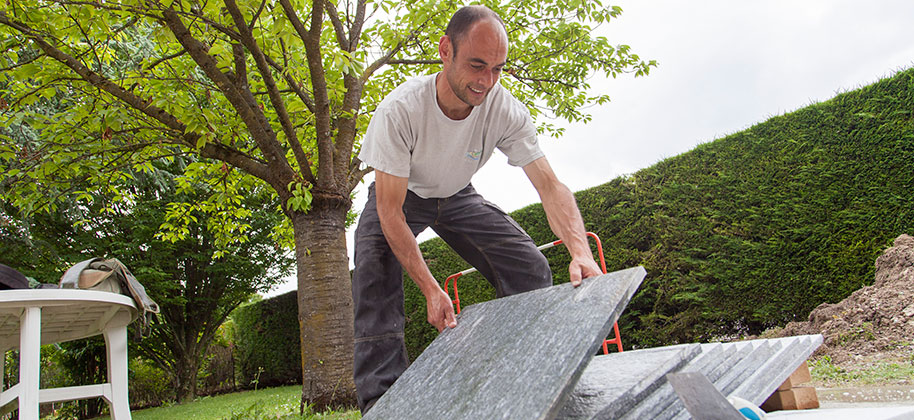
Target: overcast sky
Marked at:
723, 66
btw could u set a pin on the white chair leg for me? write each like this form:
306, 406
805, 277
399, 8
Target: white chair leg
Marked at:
29, 362
2, 369
116, 344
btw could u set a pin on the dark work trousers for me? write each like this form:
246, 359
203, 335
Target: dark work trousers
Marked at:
477, 230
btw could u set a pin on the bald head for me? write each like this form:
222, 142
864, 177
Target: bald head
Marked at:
464, 19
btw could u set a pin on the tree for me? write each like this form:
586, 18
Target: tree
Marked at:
278, 89
195, 291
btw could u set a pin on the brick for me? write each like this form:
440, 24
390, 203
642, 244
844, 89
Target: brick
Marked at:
796, 398
797, 378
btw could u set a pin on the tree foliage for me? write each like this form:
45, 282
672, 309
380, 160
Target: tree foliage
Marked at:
281, 90
254, 84
195, 290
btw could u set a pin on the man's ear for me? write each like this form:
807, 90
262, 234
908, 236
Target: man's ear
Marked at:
445, 48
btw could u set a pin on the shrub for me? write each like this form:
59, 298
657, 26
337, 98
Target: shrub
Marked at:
267, 343
149, 385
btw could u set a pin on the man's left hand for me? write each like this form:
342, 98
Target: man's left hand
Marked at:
582, 268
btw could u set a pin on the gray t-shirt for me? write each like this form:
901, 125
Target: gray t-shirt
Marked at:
409, 136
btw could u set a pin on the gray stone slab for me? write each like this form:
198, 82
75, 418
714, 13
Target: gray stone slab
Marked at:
794, 351
710, 354
715, 359
734, 352
766, 376
614, 383
733, 362
748, 369
756, 382
516, 357
762, 351
702, 400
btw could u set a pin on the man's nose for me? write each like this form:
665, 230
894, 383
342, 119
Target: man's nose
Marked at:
488, 79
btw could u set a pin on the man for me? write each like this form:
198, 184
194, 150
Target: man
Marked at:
425, 141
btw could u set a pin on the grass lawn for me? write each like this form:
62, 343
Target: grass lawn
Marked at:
271, 403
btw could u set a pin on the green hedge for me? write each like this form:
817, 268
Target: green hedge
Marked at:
745, 232
267, 343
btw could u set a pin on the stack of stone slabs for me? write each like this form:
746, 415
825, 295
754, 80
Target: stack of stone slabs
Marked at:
517, 357
751, 370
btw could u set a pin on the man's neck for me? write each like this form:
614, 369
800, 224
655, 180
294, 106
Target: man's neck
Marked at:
448, 102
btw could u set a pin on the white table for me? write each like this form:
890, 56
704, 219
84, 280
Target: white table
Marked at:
30, 318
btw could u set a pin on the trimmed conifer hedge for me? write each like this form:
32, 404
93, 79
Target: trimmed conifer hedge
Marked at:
743, 233
267, 343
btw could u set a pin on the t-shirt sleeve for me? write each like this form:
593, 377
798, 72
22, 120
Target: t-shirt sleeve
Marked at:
519, 142
386, 145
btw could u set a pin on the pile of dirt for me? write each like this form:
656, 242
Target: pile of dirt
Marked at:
874, 322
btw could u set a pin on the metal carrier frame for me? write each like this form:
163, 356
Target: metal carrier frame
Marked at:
456, 300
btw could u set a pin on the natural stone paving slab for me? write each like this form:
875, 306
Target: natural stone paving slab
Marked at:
776, 359
710, 354
794, 351
702, 400
735, 352
710, 360
516, 357
762, 350
748, 369
614, 383
748, 355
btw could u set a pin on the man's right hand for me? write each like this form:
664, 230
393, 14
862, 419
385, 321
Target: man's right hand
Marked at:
440, 310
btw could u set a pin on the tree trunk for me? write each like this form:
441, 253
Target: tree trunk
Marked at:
186, 367
324, 303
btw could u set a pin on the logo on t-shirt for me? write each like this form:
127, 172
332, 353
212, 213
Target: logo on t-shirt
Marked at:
474, 154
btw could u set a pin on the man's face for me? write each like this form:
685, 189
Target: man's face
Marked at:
474, 69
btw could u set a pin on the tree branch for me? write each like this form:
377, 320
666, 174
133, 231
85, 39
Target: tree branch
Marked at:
355, 31
529, 80
356, 174
338, 29
165, 58
273, 93
312, 42
352, 100
413, 62
231, 156
293, 84
17, 65
257, 14
242, 101
377, 64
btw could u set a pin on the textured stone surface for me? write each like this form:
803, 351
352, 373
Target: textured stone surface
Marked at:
772, 361
751, 370
615, 382
794, 352
702, 400
761, 351
749, 357
512, 358
618, 407
714, 357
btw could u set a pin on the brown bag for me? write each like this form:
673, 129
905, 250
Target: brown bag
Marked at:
110, 276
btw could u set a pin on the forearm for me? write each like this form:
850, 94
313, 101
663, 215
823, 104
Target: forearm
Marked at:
406, 249
565, 220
